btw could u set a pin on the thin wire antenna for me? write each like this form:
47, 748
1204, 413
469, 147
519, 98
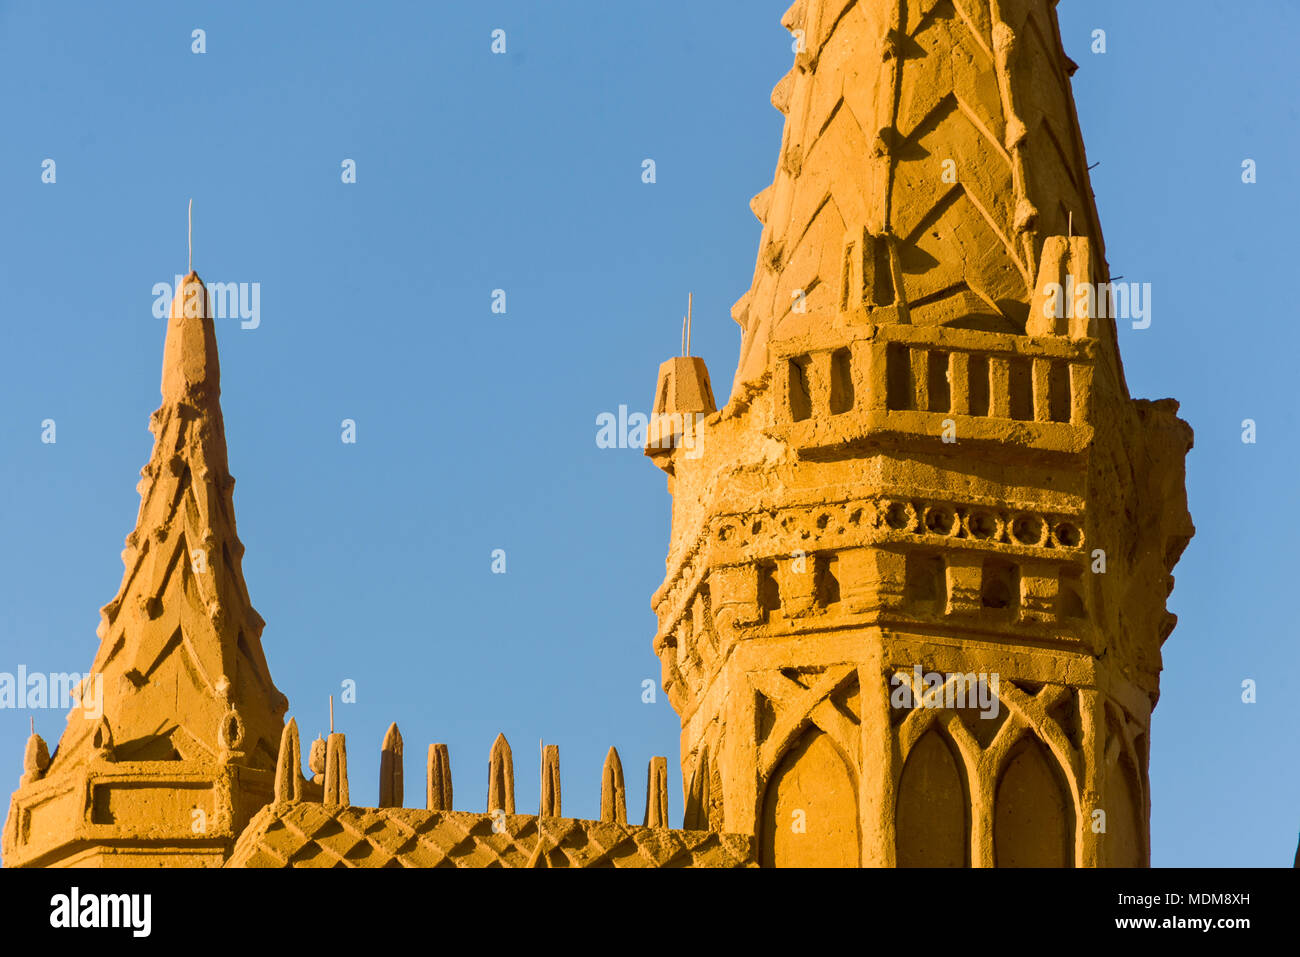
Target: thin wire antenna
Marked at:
690, 305
683, 335
1069, 229
189, 232
331, 714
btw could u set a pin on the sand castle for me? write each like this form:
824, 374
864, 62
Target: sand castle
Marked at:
916, 584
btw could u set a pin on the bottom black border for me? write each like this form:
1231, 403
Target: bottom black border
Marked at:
198, 906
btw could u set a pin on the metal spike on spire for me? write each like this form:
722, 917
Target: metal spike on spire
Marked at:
686, 324
690, 306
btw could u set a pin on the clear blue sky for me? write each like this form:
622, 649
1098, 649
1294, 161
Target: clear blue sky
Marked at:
477, 431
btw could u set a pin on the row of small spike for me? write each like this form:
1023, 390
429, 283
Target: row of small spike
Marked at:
330, 763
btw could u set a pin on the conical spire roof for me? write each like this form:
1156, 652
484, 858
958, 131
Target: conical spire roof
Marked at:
184, 676
930, 149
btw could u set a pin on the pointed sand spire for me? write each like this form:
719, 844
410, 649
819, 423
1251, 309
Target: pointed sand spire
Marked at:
182, 618
288, 765
336, 771
390, 768
191, 369
613, 794
180, 643
501, 777
438, 796
550, 804
656, 793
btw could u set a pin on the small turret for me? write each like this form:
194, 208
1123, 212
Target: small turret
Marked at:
683, 399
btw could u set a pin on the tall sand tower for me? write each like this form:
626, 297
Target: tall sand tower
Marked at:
172, 746
915, 591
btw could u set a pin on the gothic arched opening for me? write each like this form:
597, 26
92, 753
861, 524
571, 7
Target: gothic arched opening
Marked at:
1033, 814
932, 811
810, 808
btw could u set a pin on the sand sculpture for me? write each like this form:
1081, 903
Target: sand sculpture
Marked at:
929, 476
919, 561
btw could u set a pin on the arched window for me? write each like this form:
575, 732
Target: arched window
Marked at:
810, 809
932, 813
1033, 823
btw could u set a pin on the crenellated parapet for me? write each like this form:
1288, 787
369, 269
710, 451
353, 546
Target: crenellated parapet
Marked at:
303, 827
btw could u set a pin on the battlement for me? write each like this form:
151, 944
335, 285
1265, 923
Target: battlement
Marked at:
311, 822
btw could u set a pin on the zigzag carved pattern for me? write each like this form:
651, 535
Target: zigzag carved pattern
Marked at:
314, 835
176, 631
884, 93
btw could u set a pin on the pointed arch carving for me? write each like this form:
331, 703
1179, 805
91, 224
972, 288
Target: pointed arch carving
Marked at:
809, 810
1034, 813
932, 811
